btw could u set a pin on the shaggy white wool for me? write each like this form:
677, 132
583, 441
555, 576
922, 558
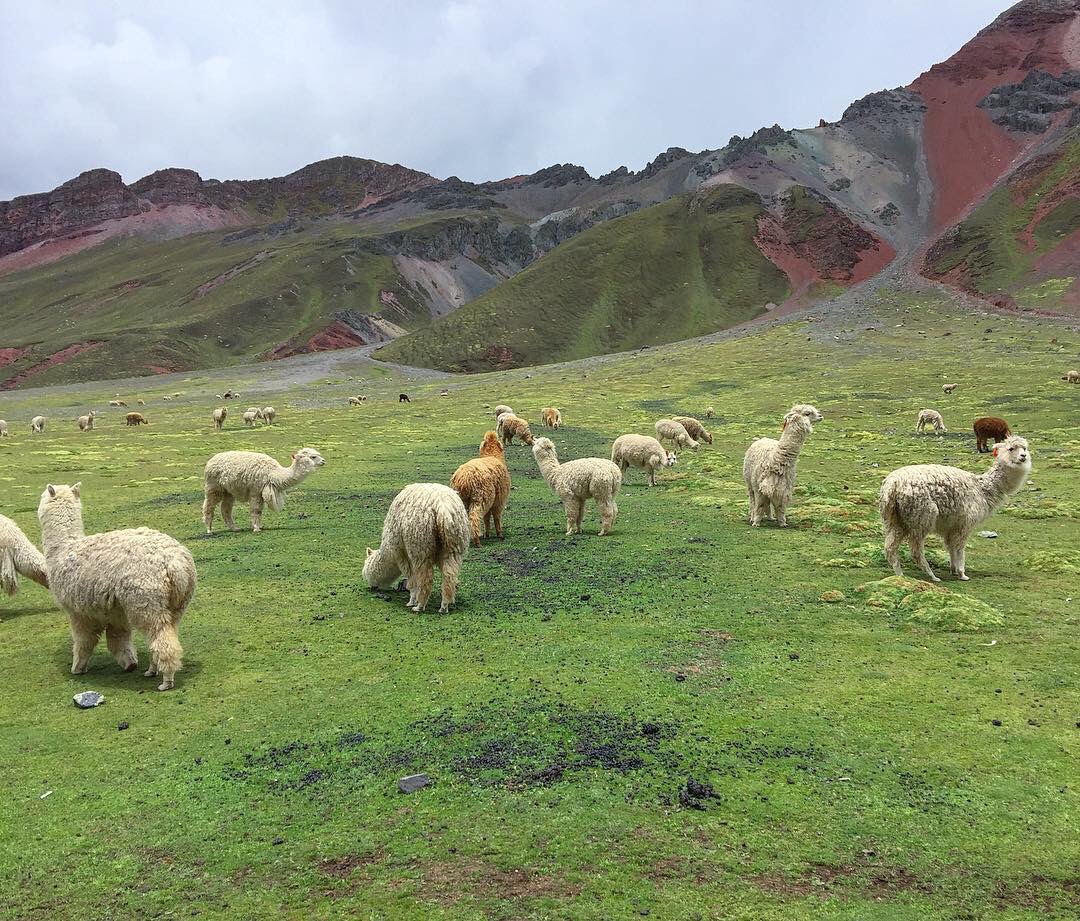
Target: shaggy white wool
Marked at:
925, 499
37, 425
258, 479
769, 468
930, 417
577, 481
426, 526
642, 451
670, 430
694, 428
219, 417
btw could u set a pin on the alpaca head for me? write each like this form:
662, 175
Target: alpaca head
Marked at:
811, 412
527, 437
1014, 454
543, 448
60, 497
307, 459
670, 458
491, 446
797, 422
375, 575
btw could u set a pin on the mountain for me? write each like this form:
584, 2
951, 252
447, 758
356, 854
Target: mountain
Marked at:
968, 176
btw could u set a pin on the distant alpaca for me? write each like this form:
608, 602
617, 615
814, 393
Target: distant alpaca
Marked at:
930, 417
37, 425
484, 486
642, 451
86, 423
989, 427
926, 499
576, 481
219, 417
948, 388
426, 526
251, 477
510, 425
551, 417
769, 468
403, 398
136, 419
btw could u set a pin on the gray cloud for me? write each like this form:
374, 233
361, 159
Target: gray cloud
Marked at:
476, 88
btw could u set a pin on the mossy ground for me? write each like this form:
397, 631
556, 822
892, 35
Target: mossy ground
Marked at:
669, 720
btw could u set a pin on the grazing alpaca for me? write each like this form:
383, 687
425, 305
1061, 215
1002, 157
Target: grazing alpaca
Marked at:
989, 427
426, 526
694, 428
116, 582
577, 481
403, 398
18, 557
769, 468
248, 476
930, 417
136, 419
510, 425
484, 486
948, 388
37, 425
551, 417
926, 499
642, 451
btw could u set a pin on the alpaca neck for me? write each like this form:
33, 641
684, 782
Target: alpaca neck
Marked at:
791, 442
549, 466
59, 527
286, 477
1000, 482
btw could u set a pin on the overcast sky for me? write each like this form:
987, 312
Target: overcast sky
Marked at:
481, 89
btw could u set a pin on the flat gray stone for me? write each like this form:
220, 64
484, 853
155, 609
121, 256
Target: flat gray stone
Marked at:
988, 534
87, 700
413, 782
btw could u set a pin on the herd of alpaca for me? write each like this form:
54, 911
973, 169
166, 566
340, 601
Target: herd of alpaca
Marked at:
120, 582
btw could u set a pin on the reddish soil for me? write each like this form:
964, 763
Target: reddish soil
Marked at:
11, 355
1062, 262
773, 242
161, 222
337, 335
966, 152
56, 358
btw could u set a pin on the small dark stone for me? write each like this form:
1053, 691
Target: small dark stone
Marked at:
794, 656
228, 741
413, 782
277, 841
87, 700
690, 802
123, 725
586, 597
545, 617
995, 722
680, 677
1035, 723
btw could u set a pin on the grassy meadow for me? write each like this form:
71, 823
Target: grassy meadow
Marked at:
688, 719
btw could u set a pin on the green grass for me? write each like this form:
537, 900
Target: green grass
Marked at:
985, 247
682, 268
855, 767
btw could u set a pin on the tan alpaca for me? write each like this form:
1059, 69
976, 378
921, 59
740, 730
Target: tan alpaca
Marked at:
484, 486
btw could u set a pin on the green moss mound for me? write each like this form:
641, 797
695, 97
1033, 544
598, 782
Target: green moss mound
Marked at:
929, 605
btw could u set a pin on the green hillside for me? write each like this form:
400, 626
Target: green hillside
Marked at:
682, 268
1004, 248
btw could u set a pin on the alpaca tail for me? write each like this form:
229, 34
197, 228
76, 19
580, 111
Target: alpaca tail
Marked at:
166, 651
452, 532
890, 511
9, 578
182, 579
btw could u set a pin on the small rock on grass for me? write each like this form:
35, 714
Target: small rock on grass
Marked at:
86, 700
831, 596
988, 534
413, 782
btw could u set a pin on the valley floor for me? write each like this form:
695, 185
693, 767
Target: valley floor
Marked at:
687, 719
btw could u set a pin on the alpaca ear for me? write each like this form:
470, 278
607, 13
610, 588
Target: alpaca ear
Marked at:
995, 451
292, 456
51, 490
75, 489
370, 551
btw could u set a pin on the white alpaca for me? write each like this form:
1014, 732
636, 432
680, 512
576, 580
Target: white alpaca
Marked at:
948, 388
926, 499
577, 481
670, 430
268, 414
769, 468
426, 526
642, 451
694, 428
258, 479
930, 417
250, 416
116, 582
37, 425
503, 408
18, 557
357, 401
1072, 377
3, 429
86, 423
219, 417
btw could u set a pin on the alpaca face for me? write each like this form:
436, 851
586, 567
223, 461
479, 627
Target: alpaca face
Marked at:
309, 458
811, 412
68, 495
542, 446
669, 461
1014, 452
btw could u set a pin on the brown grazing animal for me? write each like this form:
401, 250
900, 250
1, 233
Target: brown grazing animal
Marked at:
484, 486
136, 419
551, 417
990, 427
510, 426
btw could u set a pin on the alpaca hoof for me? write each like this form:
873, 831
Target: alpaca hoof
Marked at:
444, 609
150, 673
166, 684
963, 577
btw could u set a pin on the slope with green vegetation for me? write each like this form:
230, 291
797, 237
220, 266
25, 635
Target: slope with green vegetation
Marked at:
1022, 245
679, 269
686, 719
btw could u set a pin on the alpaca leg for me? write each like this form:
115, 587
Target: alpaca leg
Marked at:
166, 653
496, 513
226, 512
893, 540
956, 544
122, 646
759, 510
209, 504
422, 579
450, 569
476, 515
753, 506
607, 516
84, 637
487, 523
579, 515
623, 467
571, 514
652, 476
256, 514
918, 554
780, 512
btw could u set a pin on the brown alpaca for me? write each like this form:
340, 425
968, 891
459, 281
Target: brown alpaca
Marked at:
990, 427
137, 419
509, 426
484, 486
551, 417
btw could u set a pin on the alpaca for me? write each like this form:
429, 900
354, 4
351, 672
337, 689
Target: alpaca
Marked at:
510, 425
426, 526
136, 419
1072, 377
989, 427
86, 423
670, 430
641, 451
116, 582
254, 478
251, 416
18, 557
3, 429
484, 486
922, 499
694, 428
576, 481
709, 412
948, 388
503, 408
357, 400
551, 417
218, 416
268, 414
769, 468
930, 417
403, 398
37, 425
